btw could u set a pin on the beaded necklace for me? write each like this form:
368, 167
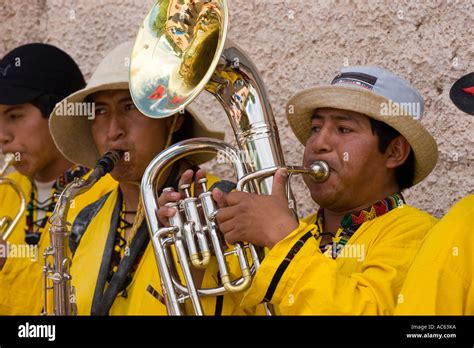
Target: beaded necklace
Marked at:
352, 221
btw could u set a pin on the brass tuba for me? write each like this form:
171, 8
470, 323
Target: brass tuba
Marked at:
7, 223
57, 271
180, 50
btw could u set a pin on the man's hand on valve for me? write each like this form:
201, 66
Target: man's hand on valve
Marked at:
164, 212
262, 220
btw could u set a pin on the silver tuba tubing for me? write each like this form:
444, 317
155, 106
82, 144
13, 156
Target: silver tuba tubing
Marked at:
164, 237
167, 72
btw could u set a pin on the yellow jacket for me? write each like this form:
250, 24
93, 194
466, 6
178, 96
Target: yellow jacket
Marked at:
441, 279
365, 279
21, 279
139, 299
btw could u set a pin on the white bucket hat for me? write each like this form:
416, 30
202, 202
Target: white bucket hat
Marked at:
374, 92
72, 133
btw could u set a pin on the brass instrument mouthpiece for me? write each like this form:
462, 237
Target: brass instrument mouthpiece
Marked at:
109, 160
319, 171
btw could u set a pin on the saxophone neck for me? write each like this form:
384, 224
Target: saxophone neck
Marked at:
72, 190
80, 185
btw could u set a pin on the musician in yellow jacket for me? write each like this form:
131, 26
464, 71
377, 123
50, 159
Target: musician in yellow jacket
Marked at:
352, 256
114, 269
441, 279
36, 77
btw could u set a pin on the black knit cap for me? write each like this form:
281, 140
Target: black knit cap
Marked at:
40, 74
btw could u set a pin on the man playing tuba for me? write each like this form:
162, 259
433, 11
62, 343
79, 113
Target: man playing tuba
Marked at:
352, 256
114, 271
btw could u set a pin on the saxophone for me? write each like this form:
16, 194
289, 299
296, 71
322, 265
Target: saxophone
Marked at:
57, 271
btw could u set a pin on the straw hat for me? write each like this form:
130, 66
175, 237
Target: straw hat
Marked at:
374, 92
72, 132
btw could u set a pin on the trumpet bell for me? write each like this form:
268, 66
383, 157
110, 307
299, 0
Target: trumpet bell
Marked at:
176, 52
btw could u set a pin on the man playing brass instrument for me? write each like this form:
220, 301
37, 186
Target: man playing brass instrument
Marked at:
352, 256
114, 269
33, 78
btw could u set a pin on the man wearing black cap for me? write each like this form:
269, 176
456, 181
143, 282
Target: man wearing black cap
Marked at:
33, 79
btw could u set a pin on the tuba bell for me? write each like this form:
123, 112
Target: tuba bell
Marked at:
180, 50
7, 223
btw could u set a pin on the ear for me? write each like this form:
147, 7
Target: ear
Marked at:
397, 152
